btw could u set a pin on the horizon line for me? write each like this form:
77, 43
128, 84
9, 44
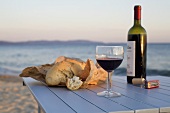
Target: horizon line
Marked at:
5, 41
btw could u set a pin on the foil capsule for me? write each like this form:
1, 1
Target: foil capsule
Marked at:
152, 84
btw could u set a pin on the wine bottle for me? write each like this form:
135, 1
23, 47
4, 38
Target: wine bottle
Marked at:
136, 48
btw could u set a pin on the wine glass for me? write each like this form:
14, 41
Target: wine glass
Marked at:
109, 58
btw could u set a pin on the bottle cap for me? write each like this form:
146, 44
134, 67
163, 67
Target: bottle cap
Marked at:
137, 11
137, 7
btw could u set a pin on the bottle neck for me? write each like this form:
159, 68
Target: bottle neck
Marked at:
137, 22
137, 15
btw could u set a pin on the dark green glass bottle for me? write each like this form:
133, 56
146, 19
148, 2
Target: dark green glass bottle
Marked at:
136, 48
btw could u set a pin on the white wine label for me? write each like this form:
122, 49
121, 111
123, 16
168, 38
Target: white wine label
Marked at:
131, 58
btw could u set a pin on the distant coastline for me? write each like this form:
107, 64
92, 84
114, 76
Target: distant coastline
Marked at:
51, 42
84, 42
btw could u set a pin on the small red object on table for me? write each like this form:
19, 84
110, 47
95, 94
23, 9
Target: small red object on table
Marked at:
151, 84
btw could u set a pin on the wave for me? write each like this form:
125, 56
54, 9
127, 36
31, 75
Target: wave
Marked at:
9, 71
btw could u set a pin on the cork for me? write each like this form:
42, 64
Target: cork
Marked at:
138, 81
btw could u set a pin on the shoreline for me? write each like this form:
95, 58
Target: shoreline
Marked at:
15, 98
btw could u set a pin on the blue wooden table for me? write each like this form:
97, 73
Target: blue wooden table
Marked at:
134, 99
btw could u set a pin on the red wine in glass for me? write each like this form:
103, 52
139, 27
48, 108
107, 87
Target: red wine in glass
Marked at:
109, 64
109, 58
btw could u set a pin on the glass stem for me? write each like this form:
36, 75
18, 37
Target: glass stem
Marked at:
109, 82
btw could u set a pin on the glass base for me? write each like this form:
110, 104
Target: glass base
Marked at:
108, 94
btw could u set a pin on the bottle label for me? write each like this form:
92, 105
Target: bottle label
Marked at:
131, 58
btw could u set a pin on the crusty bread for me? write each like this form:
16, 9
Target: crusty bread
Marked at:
55, 76
86, 72
59, 59
44, 68
60, 71
66, 71
94, 74
74, 83
72, 60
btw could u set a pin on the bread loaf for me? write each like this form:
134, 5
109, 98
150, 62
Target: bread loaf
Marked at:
55, 76
94, 74
58, 74
77, 61
74, 83
70, 72
86, 72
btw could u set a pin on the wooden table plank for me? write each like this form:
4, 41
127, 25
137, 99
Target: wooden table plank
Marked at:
141, 97
133, 99
45, 98
74, 101
165, 91
102, 102
152, 96
128, 102
165, 85
148, 92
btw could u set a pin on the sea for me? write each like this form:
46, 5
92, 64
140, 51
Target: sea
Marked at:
14, 57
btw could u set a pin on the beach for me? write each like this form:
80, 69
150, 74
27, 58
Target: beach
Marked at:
14, 97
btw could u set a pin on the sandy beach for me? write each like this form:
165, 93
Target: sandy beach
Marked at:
14, 97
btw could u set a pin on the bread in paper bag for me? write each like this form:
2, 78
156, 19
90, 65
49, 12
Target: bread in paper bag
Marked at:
59, 73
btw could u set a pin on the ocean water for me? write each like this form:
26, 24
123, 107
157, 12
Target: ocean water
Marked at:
15, 57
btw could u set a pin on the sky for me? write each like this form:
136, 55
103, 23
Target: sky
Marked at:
94, 20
